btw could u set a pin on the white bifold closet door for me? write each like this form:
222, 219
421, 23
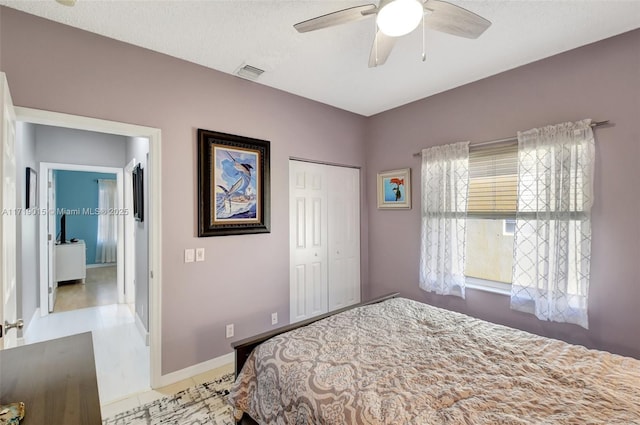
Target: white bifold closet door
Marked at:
324, 238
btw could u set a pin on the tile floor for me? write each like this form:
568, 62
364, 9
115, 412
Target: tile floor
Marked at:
122, 359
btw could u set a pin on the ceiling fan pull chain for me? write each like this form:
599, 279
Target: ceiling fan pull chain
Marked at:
424, 42
375, 39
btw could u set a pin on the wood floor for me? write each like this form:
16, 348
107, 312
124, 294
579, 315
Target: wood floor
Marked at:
99, 289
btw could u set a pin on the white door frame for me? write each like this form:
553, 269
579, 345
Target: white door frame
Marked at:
45, 167
51, 228
8, 224
36, 116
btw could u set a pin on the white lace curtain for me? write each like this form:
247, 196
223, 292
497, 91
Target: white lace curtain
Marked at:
107, 225
552, 241
445, 180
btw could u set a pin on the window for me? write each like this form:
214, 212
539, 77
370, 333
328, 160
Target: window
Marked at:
469, 192
491, 212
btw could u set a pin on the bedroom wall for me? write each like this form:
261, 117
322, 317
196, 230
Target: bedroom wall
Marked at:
599, 81
244, 278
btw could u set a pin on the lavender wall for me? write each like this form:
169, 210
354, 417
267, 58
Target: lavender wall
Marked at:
244, 278
599, 81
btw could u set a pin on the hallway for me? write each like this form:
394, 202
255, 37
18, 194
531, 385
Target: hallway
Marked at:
99, 288
122, 359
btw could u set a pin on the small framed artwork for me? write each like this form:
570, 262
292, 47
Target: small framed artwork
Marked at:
394, 189
233, 184
138, 192
32, 188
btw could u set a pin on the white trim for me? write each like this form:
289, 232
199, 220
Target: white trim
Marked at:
191, 371
143, 332
44, 258
488, 285
154, 135
98, 265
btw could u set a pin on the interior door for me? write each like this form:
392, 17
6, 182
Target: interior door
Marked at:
343, 236
51, 240
308, 240
8, 301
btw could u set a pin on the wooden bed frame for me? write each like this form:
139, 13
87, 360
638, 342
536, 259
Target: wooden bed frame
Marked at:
244, 347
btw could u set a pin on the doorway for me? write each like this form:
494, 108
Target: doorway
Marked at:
73, 198
153, 309
83, 200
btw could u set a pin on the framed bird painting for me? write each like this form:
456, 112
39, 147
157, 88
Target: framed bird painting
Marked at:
233, 184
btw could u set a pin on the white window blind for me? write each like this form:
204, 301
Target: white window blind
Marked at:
493, 181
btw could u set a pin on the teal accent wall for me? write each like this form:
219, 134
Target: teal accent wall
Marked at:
77, 192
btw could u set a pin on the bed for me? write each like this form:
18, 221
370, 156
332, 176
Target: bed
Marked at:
399, 361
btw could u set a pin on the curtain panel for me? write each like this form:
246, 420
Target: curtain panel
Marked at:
552, 240
106, 249
444, 184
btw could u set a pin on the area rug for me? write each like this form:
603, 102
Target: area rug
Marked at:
199, 405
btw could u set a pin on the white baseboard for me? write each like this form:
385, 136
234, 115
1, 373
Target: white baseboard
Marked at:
143, 332
191, 371
95, 266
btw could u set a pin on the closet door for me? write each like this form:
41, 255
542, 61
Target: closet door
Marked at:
343, 236
308, 240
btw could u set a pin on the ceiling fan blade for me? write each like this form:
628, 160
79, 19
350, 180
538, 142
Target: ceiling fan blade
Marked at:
381, 49
336, 18
454, 20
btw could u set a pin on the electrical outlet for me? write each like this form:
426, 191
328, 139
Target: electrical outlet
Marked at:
274, 318
189, 255
230, 331
199, 254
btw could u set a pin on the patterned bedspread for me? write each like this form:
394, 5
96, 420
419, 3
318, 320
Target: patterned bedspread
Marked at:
404, 362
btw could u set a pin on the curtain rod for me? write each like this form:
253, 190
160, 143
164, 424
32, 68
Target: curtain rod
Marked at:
513, 139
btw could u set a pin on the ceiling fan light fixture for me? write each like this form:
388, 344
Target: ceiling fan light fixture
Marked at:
399, 17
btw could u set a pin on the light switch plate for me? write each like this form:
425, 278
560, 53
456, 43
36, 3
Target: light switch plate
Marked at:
189, 255
199, 254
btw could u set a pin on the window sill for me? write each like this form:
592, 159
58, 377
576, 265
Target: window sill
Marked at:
488, 285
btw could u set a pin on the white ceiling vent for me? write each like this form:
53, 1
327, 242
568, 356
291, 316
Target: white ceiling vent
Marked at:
249, 72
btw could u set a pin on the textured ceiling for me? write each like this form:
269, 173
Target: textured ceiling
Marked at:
330, 65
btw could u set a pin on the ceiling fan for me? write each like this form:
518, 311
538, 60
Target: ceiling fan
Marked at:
396, 18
